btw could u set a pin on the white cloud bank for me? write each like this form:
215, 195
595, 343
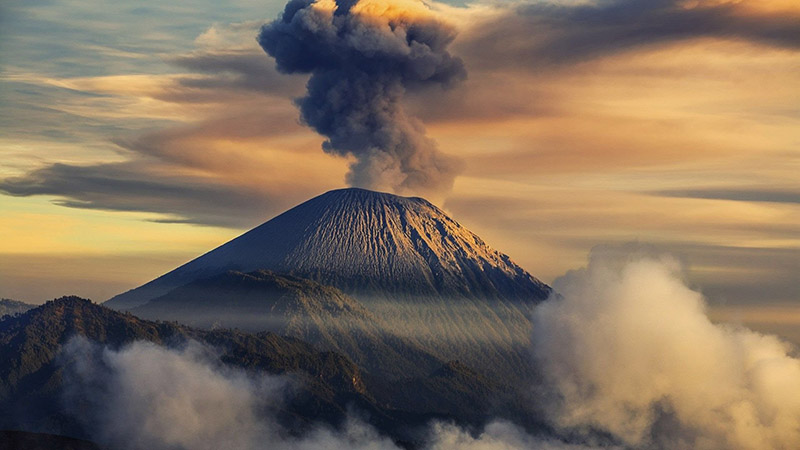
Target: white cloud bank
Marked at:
149, 397
627, 348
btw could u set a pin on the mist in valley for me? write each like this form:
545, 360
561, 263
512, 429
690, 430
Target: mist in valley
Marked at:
625, 355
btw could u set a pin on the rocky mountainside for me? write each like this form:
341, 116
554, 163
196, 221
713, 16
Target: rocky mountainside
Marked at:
32, 379
364, 243
296, 307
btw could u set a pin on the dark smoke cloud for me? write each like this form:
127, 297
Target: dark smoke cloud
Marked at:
363, 56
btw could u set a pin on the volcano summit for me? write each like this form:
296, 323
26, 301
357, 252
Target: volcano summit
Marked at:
364, 243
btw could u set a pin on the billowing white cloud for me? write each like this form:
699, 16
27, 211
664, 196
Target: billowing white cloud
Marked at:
496, 436
627, 348
144, 396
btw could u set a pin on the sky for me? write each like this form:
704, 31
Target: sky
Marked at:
135, 136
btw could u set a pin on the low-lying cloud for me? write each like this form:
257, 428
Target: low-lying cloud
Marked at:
626, 348
627, 357
144, 396
497, 435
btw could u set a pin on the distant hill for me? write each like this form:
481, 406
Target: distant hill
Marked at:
10, 307
31, 381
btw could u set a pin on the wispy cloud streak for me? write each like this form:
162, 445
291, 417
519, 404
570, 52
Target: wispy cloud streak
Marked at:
540, 34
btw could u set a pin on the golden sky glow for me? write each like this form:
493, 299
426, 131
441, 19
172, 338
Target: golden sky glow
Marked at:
153, 149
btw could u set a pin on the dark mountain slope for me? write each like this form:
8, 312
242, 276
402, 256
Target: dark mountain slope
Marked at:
31, 377
328, 384
364, 243
296, 307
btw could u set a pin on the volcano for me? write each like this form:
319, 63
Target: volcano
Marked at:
366, 244
423, 276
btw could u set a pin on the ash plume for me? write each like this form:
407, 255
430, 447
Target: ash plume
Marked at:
363, 56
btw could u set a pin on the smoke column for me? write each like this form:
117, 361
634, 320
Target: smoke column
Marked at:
363, 56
